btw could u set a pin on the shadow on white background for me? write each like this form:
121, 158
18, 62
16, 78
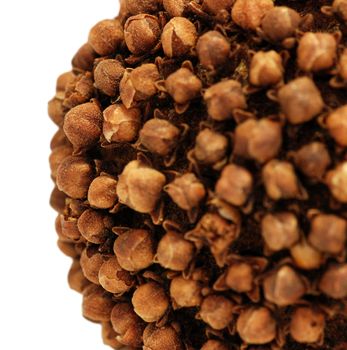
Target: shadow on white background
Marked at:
37, 41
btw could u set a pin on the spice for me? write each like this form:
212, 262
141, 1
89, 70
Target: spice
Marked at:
266, 68
174, 252
134, 250
106, 36
300, 100
59, 139
126, 324
214, 345
76, 279
260, 140
186, 191
178, 37
336, 180
280, 230
249, 13
217, 311
210, 147
94, 226
175, 8
223, 99
159, 136
167, 337
91, 262
337, 125
185, 292
307, 325
140, 187
58, 228
84, 58
113, 278
97, 304
214, 7
78, 91
82, 125
305, 256
240, 277
75, 207
145, 6
284, 287
74, 176
280, 181
183, 85
150, 302
139, 84
62, 82
67, 248
56, 111
107, 75
109, 335
256, 326
217, 233
57, 156
200, 174
234, 185
342, 64
340, 8
313, 160
333, 282
280, 23
69, 228
149, 28
121, 124
316, 51
57, 200
102, 192
328, 233
213, 49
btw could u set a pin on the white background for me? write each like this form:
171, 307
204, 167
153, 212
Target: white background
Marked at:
37, 41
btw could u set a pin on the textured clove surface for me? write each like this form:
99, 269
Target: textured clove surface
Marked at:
200, 172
